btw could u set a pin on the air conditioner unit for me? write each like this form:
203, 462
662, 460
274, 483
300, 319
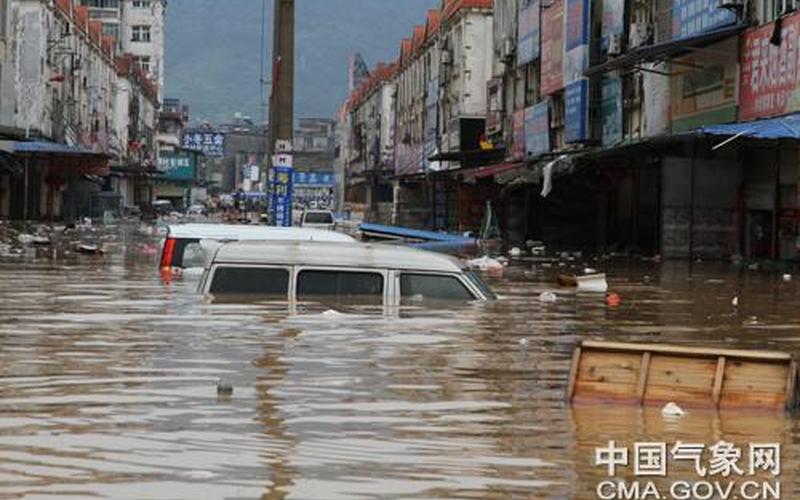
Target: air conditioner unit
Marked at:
447, 58
507, 52
640, 34
615, 44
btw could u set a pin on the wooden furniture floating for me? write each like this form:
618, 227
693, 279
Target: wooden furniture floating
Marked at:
652, 374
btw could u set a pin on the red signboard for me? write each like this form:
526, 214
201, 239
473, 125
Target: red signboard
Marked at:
518, 138
769, 83
553, 48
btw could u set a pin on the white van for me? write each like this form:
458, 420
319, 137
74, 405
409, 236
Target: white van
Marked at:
182, 246
340, 272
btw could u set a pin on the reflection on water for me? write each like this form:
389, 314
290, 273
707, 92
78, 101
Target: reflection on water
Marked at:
108, 384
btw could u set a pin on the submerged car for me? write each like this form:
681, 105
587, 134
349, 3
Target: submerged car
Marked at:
182, 246
374, 274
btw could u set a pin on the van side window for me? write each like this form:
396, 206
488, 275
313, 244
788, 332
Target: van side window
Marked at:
432, 286
194, 255
341, 284
250, 281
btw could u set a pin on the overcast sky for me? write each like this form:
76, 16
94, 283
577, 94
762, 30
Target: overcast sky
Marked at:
213, 50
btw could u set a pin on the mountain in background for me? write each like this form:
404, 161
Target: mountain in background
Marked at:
213, 51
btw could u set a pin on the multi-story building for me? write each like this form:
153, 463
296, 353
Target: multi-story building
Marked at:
425, 114
663, 127
370, 145
70, 108
138, 28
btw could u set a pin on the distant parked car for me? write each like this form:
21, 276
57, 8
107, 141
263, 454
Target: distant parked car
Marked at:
317, 219
197, 209
163, 207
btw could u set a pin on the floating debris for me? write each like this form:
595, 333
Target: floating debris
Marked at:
89, 249
787, 277
613, 300
671, 409
548, 297
224, 387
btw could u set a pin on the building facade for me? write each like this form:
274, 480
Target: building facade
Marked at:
663, 127
77, 120
137, 27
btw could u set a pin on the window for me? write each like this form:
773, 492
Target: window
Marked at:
101, 4
250, 281
140, 33
111, 30
194, 255
143, 63
318, 218
340, 284
431, 286
141, 4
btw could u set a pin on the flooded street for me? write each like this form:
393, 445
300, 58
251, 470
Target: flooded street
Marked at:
108, 385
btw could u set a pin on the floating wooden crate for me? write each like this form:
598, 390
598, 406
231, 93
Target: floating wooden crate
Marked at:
650, 374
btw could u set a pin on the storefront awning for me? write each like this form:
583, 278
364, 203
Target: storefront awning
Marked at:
782, 127
665, 50
472, 156
62, 159
40, 148
492, 170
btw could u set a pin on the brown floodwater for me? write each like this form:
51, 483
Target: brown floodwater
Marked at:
108, 384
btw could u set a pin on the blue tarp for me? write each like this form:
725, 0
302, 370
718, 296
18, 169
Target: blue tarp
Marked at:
403, 232
45, 147
783, 127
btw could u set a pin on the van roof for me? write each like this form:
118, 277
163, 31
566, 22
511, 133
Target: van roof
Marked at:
243, 232
331, 254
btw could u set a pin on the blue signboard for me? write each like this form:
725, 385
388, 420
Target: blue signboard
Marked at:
537, 129
528, 33
611, 110
211, 144
576, 39
281, 202
692, 17
576, 111
177, 166
312, 179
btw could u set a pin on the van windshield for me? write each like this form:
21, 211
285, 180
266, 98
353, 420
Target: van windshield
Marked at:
319, 218
482, 286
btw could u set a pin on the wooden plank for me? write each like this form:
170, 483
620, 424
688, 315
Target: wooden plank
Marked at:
604, 375
644, 370
646, 374
686, 350
573, 373
753, 384
683, 379
791, 387
718, 378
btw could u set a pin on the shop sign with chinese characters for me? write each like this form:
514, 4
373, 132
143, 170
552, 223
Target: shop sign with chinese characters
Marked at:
722, 470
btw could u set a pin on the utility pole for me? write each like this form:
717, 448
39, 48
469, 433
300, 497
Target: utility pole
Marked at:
281, 113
